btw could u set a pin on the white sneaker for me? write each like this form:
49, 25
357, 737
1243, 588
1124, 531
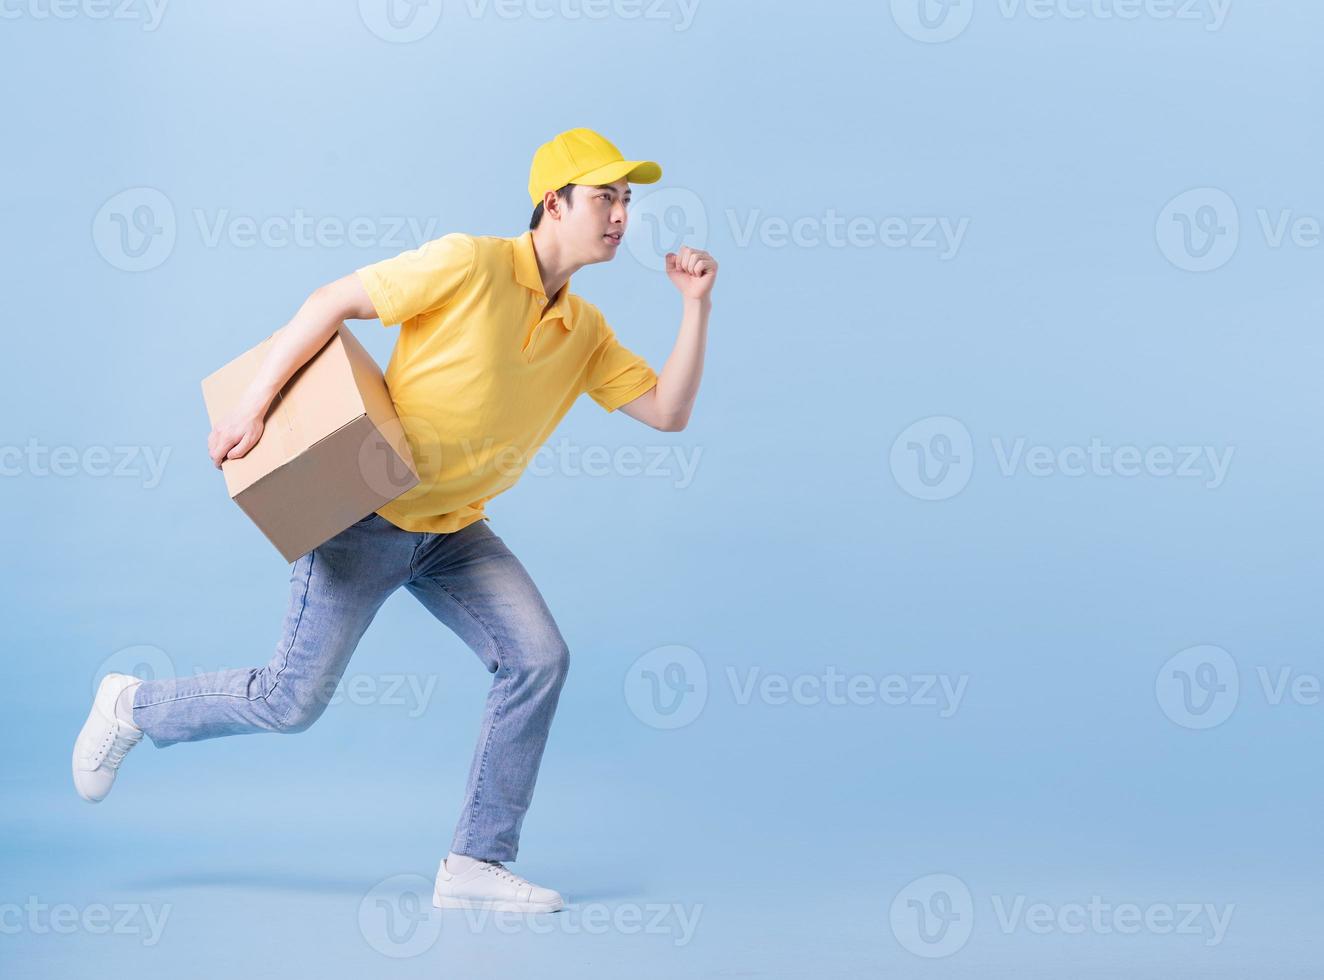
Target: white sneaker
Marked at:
104, 740
491, 885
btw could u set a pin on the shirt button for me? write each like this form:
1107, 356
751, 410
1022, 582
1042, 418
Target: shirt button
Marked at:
542, 300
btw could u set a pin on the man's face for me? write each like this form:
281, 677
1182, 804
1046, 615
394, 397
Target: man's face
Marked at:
594, 225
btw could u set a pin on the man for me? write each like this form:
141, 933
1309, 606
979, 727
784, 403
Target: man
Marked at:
493, 350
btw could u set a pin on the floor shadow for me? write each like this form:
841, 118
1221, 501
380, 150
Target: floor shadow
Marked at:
579, 896
295, 881
260, 880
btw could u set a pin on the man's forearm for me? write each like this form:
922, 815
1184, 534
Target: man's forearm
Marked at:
678, 382
294, 345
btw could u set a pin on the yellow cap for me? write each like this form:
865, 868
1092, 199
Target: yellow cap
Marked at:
581, 156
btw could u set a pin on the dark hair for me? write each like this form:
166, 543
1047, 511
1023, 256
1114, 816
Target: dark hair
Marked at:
563, 193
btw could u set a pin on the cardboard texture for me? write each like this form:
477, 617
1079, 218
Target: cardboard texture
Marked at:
332, 450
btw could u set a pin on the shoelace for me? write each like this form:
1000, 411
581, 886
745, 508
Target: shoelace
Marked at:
501, 871
120, 746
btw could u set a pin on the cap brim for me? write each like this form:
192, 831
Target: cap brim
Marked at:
635, 171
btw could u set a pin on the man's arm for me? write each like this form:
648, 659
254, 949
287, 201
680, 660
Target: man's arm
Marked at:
318, 318
667, 405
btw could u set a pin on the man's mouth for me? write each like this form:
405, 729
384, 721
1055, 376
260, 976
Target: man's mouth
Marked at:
613, 237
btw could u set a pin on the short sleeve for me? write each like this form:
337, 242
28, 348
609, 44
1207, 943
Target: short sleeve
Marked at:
420, 280
616, 374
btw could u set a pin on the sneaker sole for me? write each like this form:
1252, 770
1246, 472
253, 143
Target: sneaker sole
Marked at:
92, 716
76, 771
74, 760
493, 904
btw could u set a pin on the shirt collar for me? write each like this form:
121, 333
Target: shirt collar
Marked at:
527, 275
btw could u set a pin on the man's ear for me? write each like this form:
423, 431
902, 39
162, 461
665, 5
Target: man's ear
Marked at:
551, 205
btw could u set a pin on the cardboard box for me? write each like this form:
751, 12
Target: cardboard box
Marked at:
332, 450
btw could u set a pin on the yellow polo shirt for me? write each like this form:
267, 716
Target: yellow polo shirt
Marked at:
485, 367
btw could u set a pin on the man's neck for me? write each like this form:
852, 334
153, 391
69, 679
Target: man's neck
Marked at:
553, 268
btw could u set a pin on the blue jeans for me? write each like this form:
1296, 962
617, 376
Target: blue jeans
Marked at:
470, 581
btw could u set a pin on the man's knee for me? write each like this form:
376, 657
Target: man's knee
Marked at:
300, 716
293, 703
296, 708
545, 662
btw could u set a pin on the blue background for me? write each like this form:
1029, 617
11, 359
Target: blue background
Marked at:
787, 829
